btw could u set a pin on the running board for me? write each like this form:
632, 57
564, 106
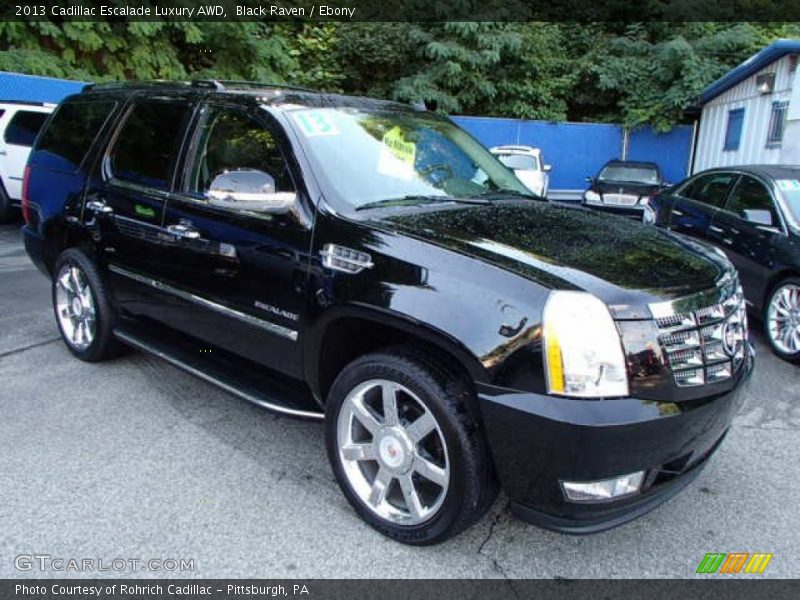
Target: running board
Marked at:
202, 371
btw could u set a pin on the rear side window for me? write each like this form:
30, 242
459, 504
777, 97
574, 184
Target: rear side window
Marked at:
147, 146
24, 127
519, 161
70, 134
709, 189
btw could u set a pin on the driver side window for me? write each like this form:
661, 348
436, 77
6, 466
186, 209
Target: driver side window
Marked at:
752, 202
230, 140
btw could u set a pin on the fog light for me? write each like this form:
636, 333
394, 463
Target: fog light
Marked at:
605, 490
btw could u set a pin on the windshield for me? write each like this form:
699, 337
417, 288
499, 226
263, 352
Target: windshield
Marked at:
791, 195
646, 175
380, 156
519, 161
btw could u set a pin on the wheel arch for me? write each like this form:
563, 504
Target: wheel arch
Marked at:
59, 235
356, 330
774, 280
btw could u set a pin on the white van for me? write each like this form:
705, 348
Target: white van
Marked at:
20, 122
527, 164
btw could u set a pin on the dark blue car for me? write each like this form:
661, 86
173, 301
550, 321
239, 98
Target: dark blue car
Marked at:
753, 214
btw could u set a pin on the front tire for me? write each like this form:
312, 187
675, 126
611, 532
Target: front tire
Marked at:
406, 446
82, 307
782, 319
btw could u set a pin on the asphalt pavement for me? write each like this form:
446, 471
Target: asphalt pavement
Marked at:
135, 460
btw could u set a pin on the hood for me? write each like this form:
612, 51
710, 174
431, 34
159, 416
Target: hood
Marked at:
621, 187
624, 263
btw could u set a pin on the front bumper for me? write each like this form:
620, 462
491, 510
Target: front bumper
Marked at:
538, 441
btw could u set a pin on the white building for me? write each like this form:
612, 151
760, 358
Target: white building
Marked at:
752, 114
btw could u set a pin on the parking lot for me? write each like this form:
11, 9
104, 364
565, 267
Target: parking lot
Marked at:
134, 459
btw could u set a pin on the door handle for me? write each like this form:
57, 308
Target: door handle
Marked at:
3, 152
677, 213
97, 206
728, 241
184, 230
716, 229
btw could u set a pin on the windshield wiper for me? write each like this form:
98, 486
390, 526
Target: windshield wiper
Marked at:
410, 200
419, 201
504, 192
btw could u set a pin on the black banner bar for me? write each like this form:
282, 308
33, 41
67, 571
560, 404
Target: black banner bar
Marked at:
731, 587
400, 10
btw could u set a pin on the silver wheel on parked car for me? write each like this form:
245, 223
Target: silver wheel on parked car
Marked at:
75, 307
783, 318
393, 452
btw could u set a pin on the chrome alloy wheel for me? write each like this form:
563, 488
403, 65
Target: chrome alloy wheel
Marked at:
783, 318
75, 307
393, 452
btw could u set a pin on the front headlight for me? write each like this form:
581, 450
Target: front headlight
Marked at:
591, 196
582, 347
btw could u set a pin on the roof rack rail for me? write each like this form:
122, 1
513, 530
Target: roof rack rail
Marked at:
148, 83
238, 83
214, 84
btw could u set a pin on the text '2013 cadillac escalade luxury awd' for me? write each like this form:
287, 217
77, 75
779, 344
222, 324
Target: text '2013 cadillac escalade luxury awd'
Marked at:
372, 266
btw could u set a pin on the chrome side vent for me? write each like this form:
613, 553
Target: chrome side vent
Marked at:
344, 259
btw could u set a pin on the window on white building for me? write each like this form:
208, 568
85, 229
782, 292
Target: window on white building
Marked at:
777, 123
733, 133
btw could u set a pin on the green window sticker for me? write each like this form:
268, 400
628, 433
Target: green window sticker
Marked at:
144, 211
315, 123
789, 185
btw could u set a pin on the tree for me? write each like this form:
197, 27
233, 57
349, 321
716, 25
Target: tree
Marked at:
634, 73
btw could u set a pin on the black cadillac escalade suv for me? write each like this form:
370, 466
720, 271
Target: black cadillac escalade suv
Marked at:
372, 266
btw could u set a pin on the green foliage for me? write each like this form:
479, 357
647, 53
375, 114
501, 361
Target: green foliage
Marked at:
634, 73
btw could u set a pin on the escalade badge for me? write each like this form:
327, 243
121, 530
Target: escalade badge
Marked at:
276, 311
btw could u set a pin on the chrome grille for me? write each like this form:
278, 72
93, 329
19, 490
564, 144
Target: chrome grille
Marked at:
620, 199
706, 344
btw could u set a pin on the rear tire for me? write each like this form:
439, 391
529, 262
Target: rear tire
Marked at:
83, 309
8, 213
782, 319
420, 472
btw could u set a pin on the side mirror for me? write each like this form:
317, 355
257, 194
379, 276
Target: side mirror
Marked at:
547, 168
251, 190
758, 216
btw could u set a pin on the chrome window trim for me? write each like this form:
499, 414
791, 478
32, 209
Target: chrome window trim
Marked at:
290, 334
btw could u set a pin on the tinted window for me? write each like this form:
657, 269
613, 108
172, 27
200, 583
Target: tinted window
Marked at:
519, 161
231, 141
646, 175
24, 127
70, 134
751, 195
709, 189
147, 146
